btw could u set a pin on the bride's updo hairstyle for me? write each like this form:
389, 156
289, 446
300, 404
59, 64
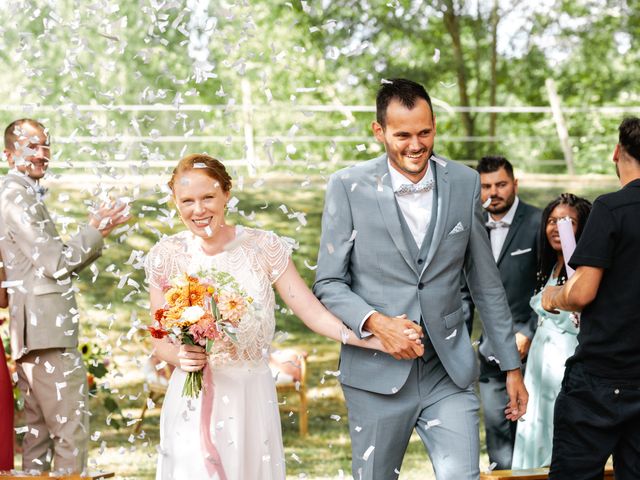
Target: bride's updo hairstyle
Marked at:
208, 165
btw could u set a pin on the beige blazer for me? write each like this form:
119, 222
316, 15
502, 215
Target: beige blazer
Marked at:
39, 267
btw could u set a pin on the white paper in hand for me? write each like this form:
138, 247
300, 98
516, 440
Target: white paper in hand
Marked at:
568, 242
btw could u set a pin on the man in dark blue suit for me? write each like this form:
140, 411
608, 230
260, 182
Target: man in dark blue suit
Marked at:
513, 227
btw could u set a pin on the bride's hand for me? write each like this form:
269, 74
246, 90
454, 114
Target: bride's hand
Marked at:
414, 333
192, 358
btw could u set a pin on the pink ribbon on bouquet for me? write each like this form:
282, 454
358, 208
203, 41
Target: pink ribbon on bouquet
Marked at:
568, 242
212, 460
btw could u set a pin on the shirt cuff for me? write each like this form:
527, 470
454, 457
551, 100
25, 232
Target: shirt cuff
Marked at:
365, 333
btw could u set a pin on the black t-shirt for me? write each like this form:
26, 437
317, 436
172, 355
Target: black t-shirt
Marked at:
609, 338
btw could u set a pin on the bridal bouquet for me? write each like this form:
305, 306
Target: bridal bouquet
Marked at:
199, 310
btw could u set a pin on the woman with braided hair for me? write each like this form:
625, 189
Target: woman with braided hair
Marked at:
554, 341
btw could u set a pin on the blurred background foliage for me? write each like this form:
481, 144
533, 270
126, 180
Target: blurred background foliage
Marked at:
66, 54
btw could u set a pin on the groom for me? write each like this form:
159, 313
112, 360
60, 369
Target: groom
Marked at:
397, 232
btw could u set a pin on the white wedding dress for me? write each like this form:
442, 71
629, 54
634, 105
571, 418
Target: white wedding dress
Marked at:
245, 425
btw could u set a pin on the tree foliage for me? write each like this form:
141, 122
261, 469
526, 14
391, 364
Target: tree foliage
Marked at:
468, 54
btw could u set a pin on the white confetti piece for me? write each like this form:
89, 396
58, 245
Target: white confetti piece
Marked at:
487, 202
64, 271
20, 430
94, 270
335, 417
436, 56
453, 334
432, 423
60, 386
35, 432
309, 266
361, 148
232, 203
353, 235
161, 365
60, 419
368, 453
491, 358
49, 368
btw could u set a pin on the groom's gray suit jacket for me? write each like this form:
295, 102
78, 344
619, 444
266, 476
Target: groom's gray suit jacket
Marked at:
365, 264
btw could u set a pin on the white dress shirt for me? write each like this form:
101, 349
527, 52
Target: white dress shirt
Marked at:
416, 210
415, 207
499, 234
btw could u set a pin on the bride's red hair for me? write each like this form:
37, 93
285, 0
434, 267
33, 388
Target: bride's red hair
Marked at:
210, 166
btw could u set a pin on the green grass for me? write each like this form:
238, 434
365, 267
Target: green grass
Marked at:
109, 316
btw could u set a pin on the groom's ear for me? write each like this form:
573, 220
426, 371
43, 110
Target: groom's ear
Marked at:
378, 131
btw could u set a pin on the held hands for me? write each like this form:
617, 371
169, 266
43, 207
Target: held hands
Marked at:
518, 395
108, 216
191, 358
400, 337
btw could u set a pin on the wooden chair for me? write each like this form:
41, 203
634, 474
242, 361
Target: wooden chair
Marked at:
46, 475
530, 474
289, 368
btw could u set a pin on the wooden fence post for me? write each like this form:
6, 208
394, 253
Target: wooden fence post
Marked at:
561, 126
247, 122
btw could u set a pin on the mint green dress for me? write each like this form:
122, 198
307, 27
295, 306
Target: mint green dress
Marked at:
555, 340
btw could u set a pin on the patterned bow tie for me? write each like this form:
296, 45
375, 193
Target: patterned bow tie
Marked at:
499, 224
408, 188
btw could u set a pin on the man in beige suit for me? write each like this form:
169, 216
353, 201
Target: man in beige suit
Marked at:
44, 317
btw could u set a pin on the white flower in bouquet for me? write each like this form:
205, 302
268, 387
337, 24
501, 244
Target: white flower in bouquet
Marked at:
192, 314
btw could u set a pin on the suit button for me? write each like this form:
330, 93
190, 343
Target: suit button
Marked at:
420, 286
420, 261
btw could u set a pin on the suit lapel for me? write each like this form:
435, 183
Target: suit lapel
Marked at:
513, 230
444, 189
390, 211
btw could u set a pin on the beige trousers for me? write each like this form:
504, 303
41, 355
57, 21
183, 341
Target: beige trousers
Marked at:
53, 382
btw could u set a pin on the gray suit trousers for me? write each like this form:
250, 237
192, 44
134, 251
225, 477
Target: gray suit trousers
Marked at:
444, 415
54, 384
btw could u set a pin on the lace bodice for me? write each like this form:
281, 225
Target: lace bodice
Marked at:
256, 258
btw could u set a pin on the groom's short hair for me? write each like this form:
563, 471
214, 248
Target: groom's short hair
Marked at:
404, 91
629, 137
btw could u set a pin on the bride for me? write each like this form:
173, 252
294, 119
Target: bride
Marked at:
244, 425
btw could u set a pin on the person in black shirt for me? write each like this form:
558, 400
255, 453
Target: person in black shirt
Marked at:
598, 410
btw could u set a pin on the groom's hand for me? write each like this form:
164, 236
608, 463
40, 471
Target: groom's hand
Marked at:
391, 332
518, 396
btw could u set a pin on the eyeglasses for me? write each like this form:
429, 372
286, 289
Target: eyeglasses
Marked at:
554, 220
